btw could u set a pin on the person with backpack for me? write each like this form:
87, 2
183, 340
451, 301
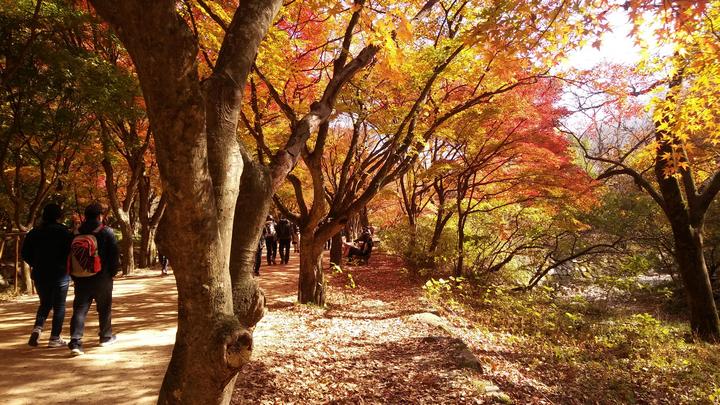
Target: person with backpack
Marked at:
284, 235
270, 239
295, 238
92, 263
45, 249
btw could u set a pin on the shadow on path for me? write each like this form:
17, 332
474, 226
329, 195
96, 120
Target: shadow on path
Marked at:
129, 372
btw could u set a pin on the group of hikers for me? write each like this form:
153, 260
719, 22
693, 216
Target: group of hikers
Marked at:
274, 234
89, 256
283, 233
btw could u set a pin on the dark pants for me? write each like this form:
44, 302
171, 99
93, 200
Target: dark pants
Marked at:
271, 247
258, 259
98, 288
284, 250
355, 252
52, 296
164, 262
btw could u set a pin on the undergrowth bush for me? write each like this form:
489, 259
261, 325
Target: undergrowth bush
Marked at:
399, 240
589, 351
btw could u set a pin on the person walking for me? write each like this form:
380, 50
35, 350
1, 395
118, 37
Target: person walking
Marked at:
93, 262
164, 261
270, 239
295, 238
284, 234
46, 249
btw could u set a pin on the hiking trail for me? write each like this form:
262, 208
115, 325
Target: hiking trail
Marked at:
368, 345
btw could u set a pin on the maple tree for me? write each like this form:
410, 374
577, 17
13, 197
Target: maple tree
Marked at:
452, 101
451, 74
48, 107
676, 146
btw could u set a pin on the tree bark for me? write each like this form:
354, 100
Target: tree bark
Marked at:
461, 248
311, 285
200, 162
686, 214
127, 246
336, 249
703, 312
144, 253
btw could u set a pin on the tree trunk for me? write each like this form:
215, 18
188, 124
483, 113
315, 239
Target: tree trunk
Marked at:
461, 248
127, 247
703, 313
26, 278
311, 285
144, 254
336, 249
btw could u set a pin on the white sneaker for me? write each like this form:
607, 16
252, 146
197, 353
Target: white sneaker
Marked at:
56, 342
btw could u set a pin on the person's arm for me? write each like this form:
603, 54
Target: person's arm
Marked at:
112, 254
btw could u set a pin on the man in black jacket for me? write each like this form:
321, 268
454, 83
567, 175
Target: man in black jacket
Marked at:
96, 287
45, 249
284, 235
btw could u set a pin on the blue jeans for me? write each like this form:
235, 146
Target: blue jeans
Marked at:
284, 250
271, 246
98, 288
52, 296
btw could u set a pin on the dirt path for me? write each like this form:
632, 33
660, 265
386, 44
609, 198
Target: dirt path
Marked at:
129, 372
361, 348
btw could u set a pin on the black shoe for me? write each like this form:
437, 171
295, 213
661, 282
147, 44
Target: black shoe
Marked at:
75, 347
34, 336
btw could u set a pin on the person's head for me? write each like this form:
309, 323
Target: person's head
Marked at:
269, 218
93, 211
52, 213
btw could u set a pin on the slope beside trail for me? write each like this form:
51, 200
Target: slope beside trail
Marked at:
363, 347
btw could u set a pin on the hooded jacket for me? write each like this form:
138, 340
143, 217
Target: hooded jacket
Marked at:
45, 249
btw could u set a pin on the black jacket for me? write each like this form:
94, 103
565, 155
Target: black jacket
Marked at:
107, 246
284, 230
46, 249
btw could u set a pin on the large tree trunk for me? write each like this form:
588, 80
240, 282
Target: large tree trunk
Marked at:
148, 223
686, 213
195, 129
703, 313
144, 253
311, 285
336, 249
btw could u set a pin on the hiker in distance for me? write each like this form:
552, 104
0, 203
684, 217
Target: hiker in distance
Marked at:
284, 235
46, 249
270, 235
93, 262
258, 254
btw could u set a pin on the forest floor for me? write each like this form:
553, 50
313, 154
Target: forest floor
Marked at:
367, 345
